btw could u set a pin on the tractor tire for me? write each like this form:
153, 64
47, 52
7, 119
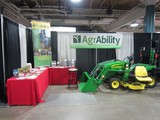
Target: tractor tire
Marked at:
152, 84
114, 83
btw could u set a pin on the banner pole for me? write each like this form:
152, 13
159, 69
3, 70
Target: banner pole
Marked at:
3, 59
96, 56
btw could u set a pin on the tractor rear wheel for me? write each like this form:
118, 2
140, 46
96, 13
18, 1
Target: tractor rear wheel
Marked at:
114, 83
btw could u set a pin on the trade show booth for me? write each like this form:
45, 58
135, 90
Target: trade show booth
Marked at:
55, 53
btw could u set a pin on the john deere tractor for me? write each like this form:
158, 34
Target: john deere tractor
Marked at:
122, 73
118, 73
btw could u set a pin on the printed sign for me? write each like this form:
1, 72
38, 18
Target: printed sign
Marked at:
41, 43
96, 40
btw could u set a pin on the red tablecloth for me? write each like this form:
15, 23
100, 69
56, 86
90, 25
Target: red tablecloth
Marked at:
58, 76
27, 91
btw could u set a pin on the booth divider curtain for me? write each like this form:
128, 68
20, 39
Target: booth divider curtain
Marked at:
30, 58
11, 47
105, 54
139, 41
127, 46
54, 46
23, 49
144, 39
86, 60
156, 38
64, 50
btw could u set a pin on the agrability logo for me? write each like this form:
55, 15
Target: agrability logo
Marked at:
96, 40
76, 39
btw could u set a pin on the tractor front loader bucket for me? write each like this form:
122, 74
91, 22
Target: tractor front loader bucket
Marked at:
87, 83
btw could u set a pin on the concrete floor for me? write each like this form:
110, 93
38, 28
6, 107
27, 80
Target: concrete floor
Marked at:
111, 105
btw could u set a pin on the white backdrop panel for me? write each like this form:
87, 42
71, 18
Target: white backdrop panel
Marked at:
22, 36
64, 50
127, 46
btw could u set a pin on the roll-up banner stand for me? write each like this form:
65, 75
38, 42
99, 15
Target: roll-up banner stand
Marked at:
41, 43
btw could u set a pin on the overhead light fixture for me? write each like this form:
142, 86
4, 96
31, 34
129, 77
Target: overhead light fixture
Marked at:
75, 1
109, 9
134, 24
68, 10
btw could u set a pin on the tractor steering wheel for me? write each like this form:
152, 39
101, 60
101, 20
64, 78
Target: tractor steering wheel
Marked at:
128, 59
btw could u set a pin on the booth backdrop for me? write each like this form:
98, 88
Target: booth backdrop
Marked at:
139, 41
11, 47
86, 59
12, 56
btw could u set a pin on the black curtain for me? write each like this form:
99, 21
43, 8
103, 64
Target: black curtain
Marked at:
11, 47
30, 56
156, 44
86, 58
54, 46
142, 39
2, 86
105, 54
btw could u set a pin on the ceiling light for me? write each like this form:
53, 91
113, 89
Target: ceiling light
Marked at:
75, 1
134, 24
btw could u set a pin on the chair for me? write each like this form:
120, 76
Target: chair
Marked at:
72, 77
141, 74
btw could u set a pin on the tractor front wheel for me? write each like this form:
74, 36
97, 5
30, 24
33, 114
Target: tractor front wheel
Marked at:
114, 83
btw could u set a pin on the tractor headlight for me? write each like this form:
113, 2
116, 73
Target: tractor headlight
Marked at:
127, 66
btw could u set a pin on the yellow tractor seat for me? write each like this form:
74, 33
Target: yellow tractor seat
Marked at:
141, 74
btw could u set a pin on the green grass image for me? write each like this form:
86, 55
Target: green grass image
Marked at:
43, 60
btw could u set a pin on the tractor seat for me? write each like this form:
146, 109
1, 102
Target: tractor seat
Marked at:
141, 74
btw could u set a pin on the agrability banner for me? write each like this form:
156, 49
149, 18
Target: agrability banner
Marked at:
96, 40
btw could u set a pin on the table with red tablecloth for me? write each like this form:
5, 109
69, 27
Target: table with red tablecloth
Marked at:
58, 75
27, 91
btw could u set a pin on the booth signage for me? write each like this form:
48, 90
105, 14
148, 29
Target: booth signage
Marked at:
97, 40
41, 43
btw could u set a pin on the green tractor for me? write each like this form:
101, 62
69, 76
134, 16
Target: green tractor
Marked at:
118, 73
122, 73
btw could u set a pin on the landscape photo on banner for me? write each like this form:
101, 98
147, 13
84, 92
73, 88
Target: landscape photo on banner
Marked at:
41, 43
96, 40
